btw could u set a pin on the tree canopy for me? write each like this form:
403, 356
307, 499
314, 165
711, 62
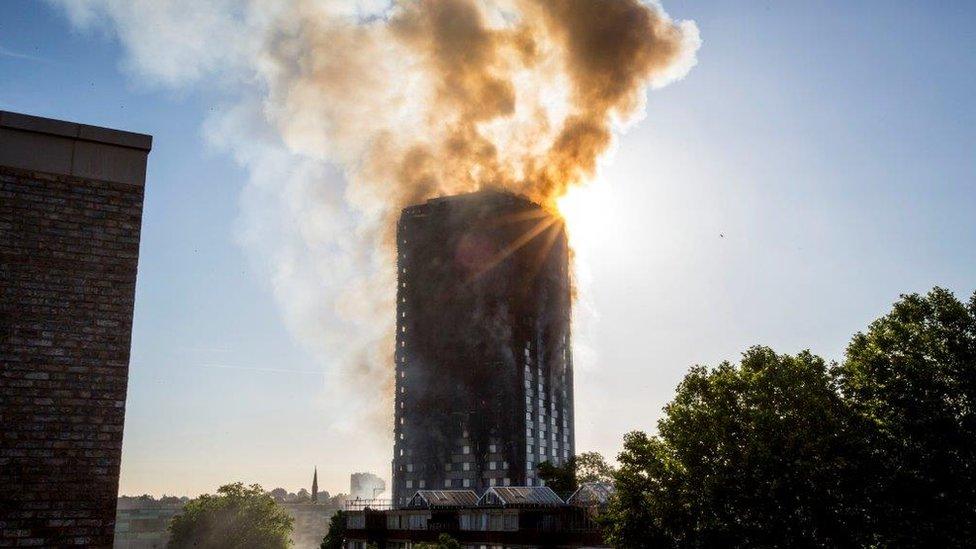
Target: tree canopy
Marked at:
336, 535
788, 451
584, 467
912, 375
751, 454
238, 516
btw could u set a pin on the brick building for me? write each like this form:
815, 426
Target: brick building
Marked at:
484, 373
70, 214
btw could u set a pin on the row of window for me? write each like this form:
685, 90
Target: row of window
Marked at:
465, 466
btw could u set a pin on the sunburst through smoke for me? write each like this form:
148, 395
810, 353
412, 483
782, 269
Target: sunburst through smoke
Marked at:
407, 100
437, 97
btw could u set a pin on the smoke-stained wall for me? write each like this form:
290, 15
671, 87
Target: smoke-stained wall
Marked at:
483, 363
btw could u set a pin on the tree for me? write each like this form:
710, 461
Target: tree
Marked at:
760, 454
592, 467
237, 516
279, 494
912, 376
561, 479
336, 536
585, 467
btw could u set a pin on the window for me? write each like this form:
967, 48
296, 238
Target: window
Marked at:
492, 448
466, 449
467, 483
466, 466
447, 466
507, 481
530, 482
409, 484
505, 465
492, 482
410, 467
447, 483
422, 484
491, 465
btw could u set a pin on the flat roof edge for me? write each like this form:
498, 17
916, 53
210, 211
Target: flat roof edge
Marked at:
74, 130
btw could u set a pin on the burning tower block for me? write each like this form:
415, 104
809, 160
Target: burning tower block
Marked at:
484, 372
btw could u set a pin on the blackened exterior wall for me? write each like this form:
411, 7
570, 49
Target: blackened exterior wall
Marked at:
484, 377
70, 214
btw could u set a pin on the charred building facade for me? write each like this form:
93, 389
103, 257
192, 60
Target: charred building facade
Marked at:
484, 371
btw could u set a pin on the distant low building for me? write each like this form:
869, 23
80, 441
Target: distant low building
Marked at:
143, 523
365, 486
514, 516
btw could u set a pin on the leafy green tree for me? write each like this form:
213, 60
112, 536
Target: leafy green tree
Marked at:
443, 542
912, 375
585, 467
592, 467
336, 535
560, 478
760, 454
237, 516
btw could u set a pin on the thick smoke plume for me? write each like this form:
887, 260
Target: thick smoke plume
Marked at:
344, 112
445, 96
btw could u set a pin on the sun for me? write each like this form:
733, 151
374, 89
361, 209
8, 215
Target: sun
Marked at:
588, 218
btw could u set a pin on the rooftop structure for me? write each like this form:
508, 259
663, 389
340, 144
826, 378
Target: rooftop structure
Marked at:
531, 516
435, 499
591, 494
520, 496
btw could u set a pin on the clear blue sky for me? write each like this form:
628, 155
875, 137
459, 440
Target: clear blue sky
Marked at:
833, 145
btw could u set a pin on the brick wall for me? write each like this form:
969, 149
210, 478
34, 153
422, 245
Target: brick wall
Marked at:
68, 253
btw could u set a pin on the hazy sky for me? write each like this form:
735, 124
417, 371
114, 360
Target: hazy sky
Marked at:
817, 162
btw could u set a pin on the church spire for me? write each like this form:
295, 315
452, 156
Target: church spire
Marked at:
315, 486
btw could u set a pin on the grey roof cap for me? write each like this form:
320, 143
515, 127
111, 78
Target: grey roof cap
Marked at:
58, 147
62, 128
